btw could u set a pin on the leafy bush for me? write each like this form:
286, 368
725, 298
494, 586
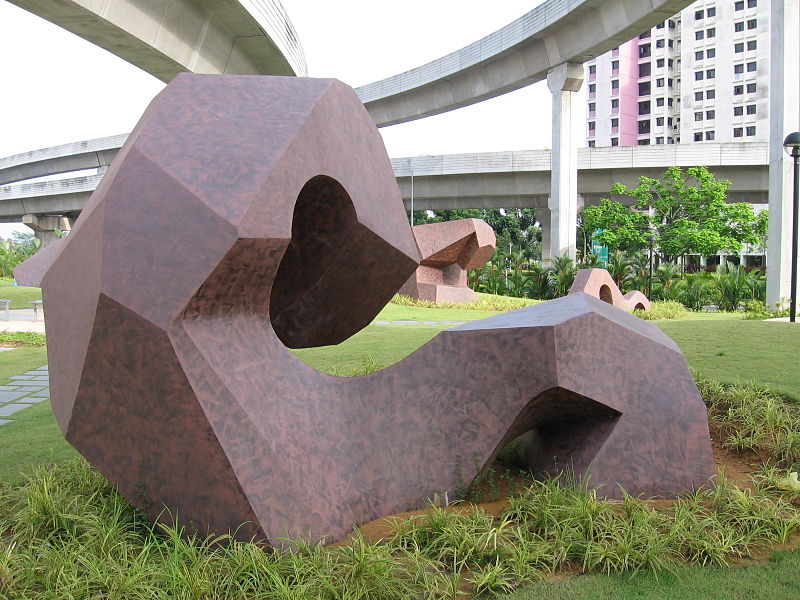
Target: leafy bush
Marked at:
666, 309
757, 310
487, 302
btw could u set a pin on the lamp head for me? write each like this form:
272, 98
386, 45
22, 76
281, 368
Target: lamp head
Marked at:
792, 144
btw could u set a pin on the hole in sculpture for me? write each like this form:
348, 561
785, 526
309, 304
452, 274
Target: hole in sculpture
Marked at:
605, 294
639, 306
323, 226
559, 431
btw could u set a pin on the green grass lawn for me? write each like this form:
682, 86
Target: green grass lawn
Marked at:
764, 352
775, 580
19, 295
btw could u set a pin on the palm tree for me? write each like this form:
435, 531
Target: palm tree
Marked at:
619, 266
562, 275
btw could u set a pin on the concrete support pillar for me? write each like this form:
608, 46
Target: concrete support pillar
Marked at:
45, 227
543, 216
784, 117
563, 81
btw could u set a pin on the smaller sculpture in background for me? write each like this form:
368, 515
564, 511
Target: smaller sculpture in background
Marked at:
448, 250
600, 284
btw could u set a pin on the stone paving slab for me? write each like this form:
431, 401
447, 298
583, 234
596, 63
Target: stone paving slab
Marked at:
32, 399
23, 391
10, 409
11, 396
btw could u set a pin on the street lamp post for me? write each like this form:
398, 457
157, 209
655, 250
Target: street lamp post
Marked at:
651, 238
792, 146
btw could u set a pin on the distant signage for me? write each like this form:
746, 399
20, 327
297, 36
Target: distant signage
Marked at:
599, 250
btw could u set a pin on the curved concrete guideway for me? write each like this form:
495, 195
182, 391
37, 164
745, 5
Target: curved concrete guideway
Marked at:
199, 36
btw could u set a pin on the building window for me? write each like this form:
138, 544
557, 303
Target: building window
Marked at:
644, 88
644, 69
738, 90
698, 75
659, 121
752, 23
592, 107
644, 126
615, 84
592, 88
752, 67
644, 35
751, 131
751, 109
669, 120
738, 111
698, 96
644, 50
660, 25
592, 69
710, 115
669, 43
615, 65
752, 3
699, 14
643, 142
711, 32
699, 35
738, 26
591, 143
751, 88
591, 125
669, 101
644, 107
709, 136
660, 82
698, 136
752, 45
671, 23
659, 43
659, 140
615, 141
711, 73
737, 69
738, 132
698, 55
738, 47
615, 122
660, 63
615, 103
659, 102
739, 5
711, 53
711, 12
698, 116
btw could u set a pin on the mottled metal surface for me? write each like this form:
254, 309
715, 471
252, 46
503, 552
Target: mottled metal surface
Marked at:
248, 214
600, 284
448, 250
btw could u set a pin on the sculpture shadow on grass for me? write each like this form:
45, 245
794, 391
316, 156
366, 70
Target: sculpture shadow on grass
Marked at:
246, 214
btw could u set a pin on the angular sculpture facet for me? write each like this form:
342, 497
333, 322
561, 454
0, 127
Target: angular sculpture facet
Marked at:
246, 214
600, 284
448, 250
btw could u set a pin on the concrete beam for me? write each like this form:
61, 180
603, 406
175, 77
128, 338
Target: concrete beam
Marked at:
784, 118
165, 38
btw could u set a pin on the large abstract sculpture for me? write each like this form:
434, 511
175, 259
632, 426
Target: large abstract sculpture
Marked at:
246, 214
600, 284
448, 250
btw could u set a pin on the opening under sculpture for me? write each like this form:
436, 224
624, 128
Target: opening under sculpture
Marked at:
248, 214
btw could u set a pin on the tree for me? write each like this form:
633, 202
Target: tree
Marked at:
687, 212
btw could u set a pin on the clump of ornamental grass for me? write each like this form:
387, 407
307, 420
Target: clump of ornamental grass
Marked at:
662, 309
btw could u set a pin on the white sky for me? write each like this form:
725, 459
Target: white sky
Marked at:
56, 88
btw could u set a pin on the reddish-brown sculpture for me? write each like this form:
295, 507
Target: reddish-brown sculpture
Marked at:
600, 284
245, 214
448, 250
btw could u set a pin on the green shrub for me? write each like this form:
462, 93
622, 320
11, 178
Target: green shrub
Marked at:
757, 310
486, 302
662, 309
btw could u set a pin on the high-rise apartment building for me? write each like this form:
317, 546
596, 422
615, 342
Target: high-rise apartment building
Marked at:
701, 76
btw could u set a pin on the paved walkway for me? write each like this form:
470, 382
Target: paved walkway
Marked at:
23, 391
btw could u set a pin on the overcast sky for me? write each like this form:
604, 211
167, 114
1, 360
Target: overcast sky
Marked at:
57, 88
